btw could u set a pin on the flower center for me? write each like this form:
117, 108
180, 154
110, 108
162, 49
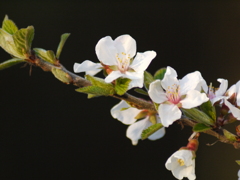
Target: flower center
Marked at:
172, 93
181, 162
123, 60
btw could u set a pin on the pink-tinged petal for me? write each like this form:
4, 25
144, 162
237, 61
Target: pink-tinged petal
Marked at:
87, 66
234, 110
134, 131
142, 60
106, 51
193, 99
169, 113
128, 43
222, 88
190, 82
124, 113
136, 83
156, 92
112, 76
170, 78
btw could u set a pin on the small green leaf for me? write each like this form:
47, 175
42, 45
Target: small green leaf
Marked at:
141, 91
99, 87
122, 85
48, 56
148, 78
9, 26
150, 130
64, 38
11, 62
200, 127
160, 73
229, 136
7, 43
23, 40
198, 116
99, 82
209, 109
61, 75
95, 91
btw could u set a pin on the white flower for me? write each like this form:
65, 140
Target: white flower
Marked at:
173, 94
118, 57
126, 114
239, 175
182, 164
217, 95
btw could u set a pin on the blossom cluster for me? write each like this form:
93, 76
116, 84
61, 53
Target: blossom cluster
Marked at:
171, 96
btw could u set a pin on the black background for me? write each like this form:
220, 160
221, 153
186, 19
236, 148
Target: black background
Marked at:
49, 131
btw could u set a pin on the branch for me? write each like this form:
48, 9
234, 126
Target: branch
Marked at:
136, 102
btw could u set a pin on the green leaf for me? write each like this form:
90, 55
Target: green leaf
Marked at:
198, 116
200, 127
209, 109
7, 43
11, 62
148, 78
100, 82
160, 73
64, 37
9, 26
122, 85
150, 130
229, 136
94, 91
23, 40
61, 75
99, 87
141, 91
48, 56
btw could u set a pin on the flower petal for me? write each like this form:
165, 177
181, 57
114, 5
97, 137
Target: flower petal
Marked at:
136, 83
156, 92
193, 99
142, 60
169, 113
222, 88
190, 82
106, 51
112, 76
126, 116
87, 66
234, 110
134, 131
128, 43
170, 78
158, 134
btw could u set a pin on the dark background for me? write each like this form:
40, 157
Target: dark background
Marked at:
49, 131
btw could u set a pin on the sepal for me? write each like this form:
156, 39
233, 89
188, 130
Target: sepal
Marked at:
121, 85
200, 127
209, 109
150, 130
198, 116
148, 78
159, 74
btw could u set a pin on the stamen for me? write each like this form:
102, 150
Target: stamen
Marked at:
181, 162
